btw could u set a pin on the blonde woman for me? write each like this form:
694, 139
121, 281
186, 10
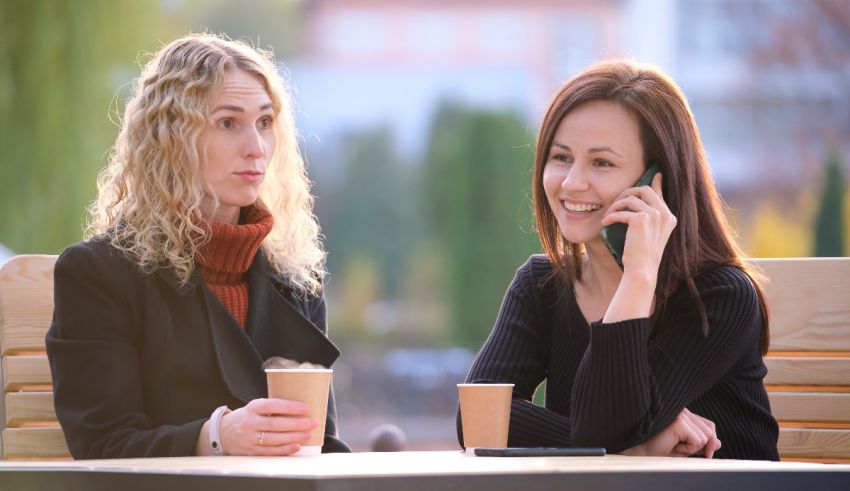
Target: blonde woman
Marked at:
203, 260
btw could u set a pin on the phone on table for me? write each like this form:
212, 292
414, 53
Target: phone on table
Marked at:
540, 452
614, 235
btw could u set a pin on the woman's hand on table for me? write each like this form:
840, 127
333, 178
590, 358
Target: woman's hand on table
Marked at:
689, 434
262, 427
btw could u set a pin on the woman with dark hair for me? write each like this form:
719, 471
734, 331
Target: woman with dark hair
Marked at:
661, 355
203, 260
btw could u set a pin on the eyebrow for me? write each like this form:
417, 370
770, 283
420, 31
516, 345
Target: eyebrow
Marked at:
590, 150
228, 107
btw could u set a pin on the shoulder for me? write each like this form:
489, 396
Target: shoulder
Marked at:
95, 257
729, 280
535, 281
729, 297
536, 271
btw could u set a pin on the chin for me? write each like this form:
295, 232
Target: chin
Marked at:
580, 237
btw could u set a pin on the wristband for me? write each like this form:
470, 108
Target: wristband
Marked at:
215, 437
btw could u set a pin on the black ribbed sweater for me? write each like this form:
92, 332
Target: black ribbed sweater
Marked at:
616, 385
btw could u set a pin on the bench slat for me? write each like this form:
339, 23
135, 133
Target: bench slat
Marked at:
809, 300
26, 302
810, 406
795, 442
26, 370
22, 443
807, 371
30, 408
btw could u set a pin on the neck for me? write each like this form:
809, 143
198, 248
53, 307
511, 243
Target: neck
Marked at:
228, 215
600, 274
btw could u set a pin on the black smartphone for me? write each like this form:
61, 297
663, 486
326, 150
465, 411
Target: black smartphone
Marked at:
614, 235
540, 452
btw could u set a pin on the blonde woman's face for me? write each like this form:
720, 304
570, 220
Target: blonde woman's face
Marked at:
237, 143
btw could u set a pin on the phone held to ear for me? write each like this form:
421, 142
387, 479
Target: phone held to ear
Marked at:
614, 235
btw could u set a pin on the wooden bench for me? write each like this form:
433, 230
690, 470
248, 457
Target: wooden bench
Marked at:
808, 380
30, 429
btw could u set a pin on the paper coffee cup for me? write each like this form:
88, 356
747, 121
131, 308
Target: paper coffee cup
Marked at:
485, 413
307, 385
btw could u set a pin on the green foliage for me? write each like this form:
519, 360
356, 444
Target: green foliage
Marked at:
829, 233
60, 64
374, 209
478, 169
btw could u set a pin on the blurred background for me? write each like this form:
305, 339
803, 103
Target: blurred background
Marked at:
417, 119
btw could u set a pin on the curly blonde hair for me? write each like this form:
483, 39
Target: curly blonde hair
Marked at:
152, 191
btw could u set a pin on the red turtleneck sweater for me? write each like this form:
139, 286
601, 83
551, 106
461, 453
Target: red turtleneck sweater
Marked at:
228, 255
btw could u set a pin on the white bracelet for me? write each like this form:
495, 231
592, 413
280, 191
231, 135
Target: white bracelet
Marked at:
215, 437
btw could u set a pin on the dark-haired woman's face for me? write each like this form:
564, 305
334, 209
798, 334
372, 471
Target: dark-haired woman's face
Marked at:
595, 155
237, 143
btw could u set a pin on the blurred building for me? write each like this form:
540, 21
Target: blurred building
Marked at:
367, 63
390, 62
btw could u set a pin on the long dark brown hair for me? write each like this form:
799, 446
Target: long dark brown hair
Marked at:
703, 238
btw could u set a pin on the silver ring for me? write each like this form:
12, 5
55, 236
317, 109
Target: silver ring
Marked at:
260, 437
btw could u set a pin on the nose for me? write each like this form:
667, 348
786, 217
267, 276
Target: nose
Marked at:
576, 179
253, 146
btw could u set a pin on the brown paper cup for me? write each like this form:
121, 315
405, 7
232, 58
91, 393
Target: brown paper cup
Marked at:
485, 412
310, 386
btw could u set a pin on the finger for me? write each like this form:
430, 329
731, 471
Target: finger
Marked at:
632, 203
285, 423
279, 406
278, 439
287, 449
656, 184
620, 216
648, 194
701, 424
712, 446
690, 437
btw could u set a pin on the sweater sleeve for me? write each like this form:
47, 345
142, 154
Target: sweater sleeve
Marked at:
516, 352
332, 444
631, 385
94, 361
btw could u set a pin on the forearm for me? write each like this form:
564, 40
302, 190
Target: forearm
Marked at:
633, 298
613, 394
535, 426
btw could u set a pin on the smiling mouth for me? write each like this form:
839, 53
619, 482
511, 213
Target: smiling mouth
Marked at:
580, 207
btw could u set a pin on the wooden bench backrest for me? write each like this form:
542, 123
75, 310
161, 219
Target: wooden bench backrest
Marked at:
808, 378
27, 417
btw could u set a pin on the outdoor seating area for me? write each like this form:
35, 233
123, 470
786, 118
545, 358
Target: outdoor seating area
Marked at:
808, 379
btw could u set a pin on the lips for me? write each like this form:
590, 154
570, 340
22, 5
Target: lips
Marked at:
250, 175
576, 207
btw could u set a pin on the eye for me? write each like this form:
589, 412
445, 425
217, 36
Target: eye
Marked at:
602, 163
561, 157
265, 122
225, 124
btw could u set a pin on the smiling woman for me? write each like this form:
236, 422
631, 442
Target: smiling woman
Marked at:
663, 356
204, 260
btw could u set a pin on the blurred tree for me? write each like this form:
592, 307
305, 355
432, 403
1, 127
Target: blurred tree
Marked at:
60, 65
373, 210
478, 168
263, 23
776, 234
829, 233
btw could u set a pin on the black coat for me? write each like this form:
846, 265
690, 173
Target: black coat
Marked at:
140, 362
